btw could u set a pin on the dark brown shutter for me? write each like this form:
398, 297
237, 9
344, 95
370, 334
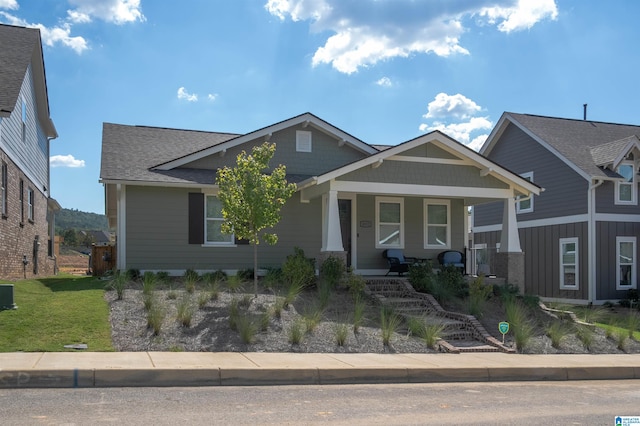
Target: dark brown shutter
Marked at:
196, 218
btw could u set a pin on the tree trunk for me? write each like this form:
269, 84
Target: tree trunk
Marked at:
255, 270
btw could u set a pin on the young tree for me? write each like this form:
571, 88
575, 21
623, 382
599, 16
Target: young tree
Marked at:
252, 198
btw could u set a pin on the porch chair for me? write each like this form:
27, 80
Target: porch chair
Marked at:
398, 262
453, 258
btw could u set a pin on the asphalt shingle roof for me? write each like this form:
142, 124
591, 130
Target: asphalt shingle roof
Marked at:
16, 49
576, 140
129, 152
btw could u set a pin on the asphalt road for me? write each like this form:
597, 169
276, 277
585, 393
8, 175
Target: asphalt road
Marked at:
521, 403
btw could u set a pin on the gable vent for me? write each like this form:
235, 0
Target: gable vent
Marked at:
303, 141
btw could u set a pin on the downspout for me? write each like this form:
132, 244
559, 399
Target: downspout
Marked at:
591, 239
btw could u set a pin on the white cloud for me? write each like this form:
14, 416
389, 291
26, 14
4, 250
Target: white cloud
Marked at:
52, 35
212, 96
65, 161
454, 116
384, 82
183, 94
457, 106
115, 11
8, 4
368, 31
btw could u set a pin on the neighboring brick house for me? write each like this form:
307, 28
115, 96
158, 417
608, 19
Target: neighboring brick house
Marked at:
580, 235
26, 209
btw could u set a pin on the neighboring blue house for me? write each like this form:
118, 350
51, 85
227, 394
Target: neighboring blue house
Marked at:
26, 209
579, 236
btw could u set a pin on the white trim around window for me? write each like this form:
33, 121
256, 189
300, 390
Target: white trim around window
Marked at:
389, 222
626, 263
525, 206
213, 219
626, 191
569, 264
437, 224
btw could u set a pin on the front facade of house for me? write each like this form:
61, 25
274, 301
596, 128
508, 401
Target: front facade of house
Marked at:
26, 209
353, 200
579, 235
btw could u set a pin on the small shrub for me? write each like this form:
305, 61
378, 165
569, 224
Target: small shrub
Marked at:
451, 278
441, 291
245, 274
389, 324
247, 329
118, 282
148, 282
355, 283
133, 274
297, 270
324, 294
557, 331
278, 307
633, 323
190, 279
359, 308
234, 314
155, 317
185, 311
235, 283
341, 332
332, 271
592, 314
421, 277
245, 301
517, 316
586, 336
273, 278
203, 298
293, 291
610, 331
478, 295
432, 333
148, 299
506, 292
416, 327
296, 332
621, 336
163, 277
312, 317
213, 288
172, 294
265, 320
531, 301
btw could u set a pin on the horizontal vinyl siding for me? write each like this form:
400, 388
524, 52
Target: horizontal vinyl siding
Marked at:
424, 174
32, 154
488, 214
605, 200
157, 234
371, 258
325, 153
565, 191
606, 233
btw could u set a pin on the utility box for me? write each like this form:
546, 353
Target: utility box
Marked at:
6, 297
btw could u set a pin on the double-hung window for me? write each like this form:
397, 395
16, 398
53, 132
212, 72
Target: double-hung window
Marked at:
626, 189
569, 277
3, 190
526, 205
625, 263
389, 222
437, 224
30, 205
213, 223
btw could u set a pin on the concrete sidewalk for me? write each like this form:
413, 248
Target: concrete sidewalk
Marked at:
131, 369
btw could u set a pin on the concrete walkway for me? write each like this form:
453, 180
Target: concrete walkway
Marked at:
131, 369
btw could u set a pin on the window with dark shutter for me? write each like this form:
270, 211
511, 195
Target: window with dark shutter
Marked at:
196, 218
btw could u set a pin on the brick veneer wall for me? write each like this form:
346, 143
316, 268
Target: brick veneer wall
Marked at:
16, 237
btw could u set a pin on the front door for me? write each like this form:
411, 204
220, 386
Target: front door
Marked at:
344, 207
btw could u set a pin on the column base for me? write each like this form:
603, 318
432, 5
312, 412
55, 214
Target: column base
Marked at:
510, 266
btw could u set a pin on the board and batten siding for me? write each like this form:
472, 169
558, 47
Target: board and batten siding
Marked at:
157, 222
565, 191
325, 153
31, 155
606, 233
541, 247
369, 257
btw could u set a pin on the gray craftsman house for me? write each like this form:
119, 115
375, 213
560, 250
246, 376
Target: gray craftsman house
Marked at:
26, 208
353, 199
579, 235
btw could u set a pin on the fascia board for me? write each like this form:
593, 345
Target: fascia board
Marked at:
306, 117
157, 184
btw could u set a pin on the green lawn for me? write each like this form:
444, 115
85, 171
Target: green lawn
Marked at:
57, 311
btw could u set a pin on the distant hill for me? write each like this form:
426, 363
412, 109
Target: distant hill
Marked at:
75, 219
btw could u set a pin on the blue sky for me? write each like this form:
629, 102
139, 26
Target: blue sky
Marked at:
383, 70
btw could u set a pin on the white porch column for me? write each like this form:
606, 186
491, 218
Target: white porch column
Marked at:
332, 236
509, 239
